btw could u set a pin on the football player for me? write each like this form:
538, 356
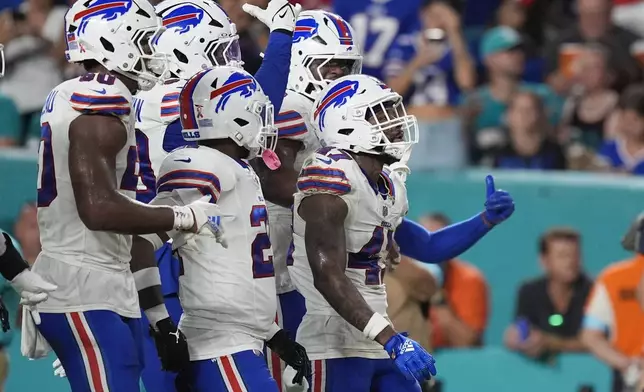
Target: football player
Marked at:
198, 36
323, 50
227, 292
88, 173
348, 205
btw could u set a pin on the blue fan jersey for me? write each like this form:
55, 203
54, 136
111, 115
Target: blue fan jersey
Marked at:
377, 24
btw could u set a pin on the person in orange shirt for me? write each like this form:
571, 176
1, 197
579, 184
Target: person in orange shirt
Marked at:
613, 328
459, 311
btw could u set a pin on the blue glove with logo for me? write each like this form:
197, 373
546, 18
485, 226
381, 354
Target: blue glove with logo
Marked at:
499, 205
411, 359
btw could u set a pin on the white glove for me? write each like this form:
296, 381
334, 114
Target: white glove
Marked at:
206, 217
401, 167
59, 370
287, 377
278, 15
33, 290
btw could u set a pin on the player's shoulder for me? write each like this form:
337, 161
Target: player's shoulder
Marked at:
97, 93
327, 170
160, 104
290, 121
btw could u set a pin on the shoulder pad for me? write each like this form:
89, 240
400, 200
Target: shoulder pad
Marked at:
323, 172
195, 168
290, 120
159, 105
100, 94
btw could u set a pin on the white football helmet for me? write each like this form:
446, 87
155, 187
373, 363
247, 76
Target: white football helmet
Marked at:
119, 35
228, 103
321, 38
198, 35
359, 113
1, 60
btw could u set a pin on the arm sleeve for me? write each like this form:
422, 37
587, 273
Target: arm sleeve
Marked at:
271, 75
445, 244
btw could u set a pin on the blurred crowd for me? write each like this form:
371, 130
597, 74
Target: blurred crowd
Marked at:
530, 84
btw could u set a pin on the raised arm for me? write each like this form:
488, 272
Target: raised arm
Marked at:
326, 251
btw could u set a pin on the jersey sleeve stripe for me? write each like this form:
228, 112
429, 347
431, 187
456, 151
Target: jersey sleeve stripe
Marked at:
196, 179
292, 130
287, 116
84, 99
323, 172
312, 186
170, 97
170, 110
113, 110
204, 189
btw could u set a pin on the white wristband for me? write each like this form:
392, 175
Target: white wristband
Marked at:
377, 323
184, 218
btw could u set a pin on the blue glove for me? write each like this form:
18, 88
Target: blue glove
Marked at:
410, 358
499, 205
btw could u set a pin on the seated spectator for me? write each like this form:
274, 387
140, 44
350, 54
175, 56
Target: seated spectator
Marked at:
590, 106
614, 321
625, 154
593, 25
459, 310
430, 68
530, 145
550, 309
484, 108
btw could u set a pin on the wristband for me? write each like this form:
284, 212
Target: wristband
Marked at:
156, 314
184, 218
377, 323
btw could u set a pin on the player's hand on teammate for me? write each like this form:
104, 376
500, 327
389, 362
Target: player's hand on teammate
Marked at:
411, 358
278, 15
171, 345
207, 216
33, 289
293, 354
499, 204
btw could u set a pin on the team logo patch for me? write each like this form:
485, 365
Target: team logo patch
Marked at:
305, 28
103, 9
336, 97
237, 83
183, 18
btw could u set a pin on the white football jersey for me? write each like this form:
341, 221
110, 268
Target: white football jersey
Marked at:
228, 295
81, 261
374, 212
293, 123
154, 112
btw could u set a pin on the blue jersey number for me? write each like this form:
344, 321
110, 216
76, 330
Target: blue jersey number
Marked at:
148, 179
262, 265
46, 170
369, 256
377, 35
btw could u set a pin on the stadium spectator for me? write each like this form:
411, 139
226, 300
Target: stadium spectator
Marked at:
248, 45
587, 114
614, 321
593, 25
530, 144
9, 115
484, 108
549, 309
27, 233
459, 310
430, 68
625, 153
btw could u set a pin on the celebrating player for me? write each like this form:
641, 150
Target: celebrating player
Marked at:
227, 292
346, 209
86, 209
323, 50
198, 36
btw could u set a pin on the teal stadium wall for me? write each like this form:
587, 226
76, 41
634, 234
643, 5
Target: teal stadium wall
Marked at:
601, 207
